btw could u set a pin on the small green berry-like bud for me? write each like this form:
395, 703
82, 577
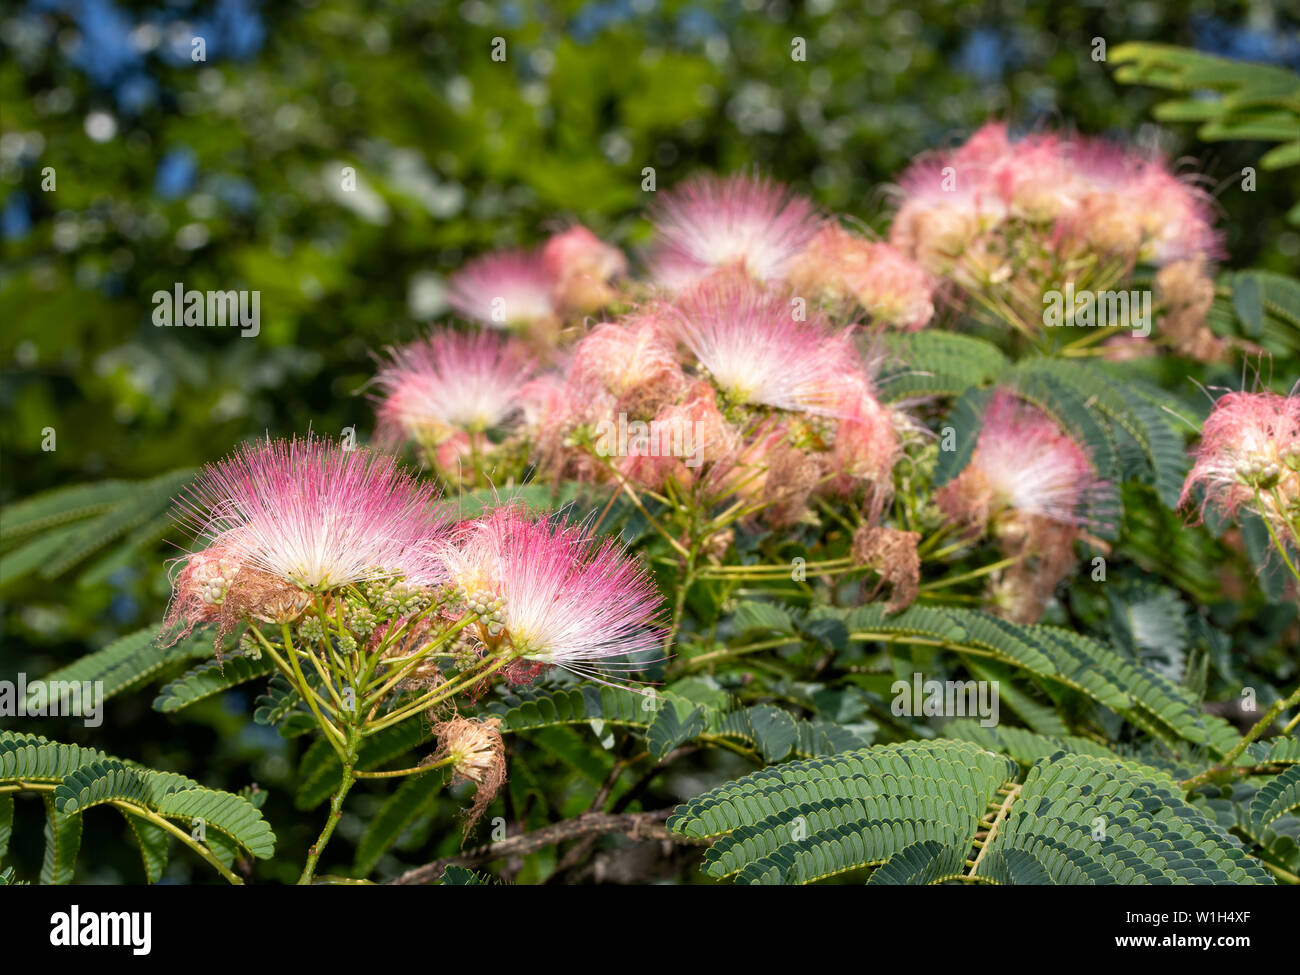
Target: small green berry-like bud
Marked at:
310, 629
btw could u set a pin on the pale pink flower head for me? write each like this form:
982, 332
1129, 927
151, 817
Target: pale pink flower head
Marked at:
740, 221
316, 515
987, 146
508, 289
1023, 463
1176, 217
633, 362
1250, 443
564, 598
843, 269
200, 587
754, 348
449, 383
1133, 204
867, 447
942, 210
680, 440
584, 268
546, 403
1036, 180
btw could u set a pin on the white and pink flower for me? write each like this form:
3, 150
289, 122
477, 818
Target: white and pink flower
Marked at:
565, 599
739, 221
449, 383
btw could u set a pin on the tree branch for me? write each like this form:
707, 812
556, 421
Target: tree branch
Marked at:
637, 826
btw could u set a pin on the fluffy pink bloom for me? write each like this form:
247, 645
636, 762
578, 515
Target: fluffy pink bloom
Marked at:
546, 403
1024, 462
1249, 441
682, 438
1115, 200
504, 290
1175, 217
945, 204
448, 383
201, 586
631, 363
315, 515
867, 446
584, 269
842, 268
566, 599
737, 221
749, 342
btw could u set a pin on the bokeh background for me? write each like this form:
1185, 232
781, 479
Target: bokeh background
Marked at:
225, 173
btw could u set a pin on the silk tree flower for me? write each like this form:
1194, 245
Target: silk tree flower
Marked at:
683, 438
476, 752
768, 472
1029, 483
630, 366
738, 221
867, 446
1075, 190
756, 352
1023, 462
584, 268
451, 383
505, 290
844, 270
1249, 458
308, 516
564, 598
941, 214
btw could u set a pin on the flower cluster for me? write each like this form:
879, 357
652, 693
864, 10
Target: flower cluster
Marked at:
727, 377
574, 273
779, 239
1029, 485
1007, 221
1249, 459
353, 552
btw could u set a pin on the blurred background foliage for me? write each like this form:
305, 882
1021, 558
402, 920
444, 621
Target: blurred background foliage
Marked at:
226, 173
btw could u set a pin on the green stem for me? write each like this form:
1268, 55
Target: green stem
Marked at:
966, 576
440, 693
715, 655
181, 835
414, 661
332, 734
1272, 533
1279, 706
417, 770
336, 809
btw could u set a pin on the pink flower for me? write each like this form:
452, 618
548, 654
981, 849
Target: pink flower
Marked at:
200, 588
314, 515
584, 269
508, 289
1250, 447
682, 438
1023, 463
867, 447
451, 382
738, 221
565, 599
630, 364
842, 268
754, 349
1073, 189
